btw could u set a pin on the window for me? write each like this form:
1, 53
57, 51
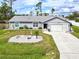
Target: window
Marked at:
16, 24
35, 24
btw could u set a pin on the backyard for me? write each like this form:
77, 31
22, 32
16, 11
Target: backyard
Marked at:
45, 49
76, 31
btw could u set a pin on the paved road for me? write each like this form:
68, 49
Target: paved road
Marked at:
67, 44
74, 23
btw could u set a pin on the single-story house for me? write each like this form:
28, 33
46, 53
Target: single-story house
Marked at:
53, 23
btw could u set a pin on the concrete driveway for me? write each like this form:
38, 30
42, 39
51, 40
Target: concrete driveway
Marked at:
67, 44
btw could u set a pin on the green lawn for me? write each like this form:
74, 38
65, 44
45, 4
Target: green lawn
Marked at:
76, 31
41, 50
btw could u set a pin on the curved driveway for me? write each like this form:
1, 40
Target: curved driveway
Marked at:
67, 44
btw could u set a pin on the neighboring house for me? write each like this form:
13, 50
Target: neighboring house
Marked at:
53, 23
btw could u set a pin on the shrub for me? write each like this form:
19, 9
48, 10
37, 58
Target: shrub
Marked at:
75, 29
49, 30
30, 28
25, 27
40, 28
21, 28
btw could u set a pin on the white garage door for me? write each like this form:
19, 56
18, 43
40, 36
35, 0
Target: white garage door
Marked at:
57, 28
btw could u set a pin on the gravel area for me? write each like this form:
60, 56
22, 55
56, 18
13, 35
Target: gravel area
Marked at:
25, 39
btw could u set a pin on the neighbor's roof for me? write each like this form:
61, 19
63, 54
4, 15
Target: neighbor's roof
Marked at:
33, 18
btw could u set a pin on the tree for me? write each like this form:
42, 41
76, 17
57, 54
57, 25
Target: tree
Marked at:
4, 12
37, 12
39, 6
52, 10
77, 19
31, 13
36, 33
46, 14
76, 14
62, 15
71, 17
10, 2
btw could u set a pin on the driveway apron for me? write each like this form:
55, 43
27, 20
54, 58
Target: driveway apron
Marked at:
67, 44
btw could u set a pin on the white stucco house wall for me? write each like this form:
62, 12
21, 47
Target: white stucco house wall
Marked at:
53, 23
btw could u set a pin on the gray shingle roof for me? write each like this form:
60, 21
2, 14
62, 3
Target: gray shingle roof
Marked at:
34, 18
30, 18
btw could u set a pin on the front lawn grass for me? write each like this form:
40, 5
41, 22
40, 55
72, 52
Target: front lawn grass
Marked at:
45, 49
75, 31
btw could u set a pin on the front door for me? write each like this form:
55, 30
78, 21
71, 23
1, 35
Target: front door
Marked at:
45, 26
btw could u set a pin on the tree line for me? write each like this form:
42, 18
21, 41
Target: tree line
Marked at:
74, 16
39, 11
6, 11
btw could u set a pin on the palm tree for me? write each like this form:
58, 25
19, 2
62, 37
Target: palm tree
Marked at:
31, 13
52, 10
39, 6
36, 33
37, 12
